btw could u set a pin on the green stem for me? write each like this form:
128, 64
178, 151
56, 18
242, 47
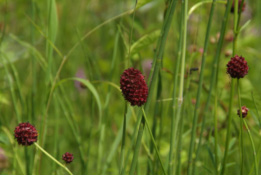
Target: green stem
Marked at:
158, 56
34, 82
228, 127
195, 118
137, 147
258, 116
153, 75
241, 127
174, 104
51, 157
235, 26
215, 70
253, 146
152, 165
216, 132
181, 87
153, 140
181, 84
121, 172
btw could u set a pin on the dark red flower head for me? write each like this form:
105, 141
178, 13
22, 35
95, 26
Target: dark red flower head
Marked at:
134, 87
239, 5
25, 134
244, 111
237, 67
68, 157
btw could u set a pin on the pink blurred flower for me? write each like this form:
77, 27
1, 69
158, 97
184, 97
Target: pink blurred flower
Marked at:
80, 74
146, 66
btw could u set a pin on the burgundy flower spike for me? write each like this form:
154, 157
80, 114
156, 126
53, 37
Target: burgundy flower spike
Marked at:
237, 67
134, 87
239, 5
25, 134
244, 111
68, 157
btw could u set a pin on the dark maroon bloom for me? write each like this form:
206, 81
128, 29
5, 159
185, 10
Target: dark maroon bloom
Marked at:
239, 5
134, 87
25, 134
68, 157
244, 111
237, 67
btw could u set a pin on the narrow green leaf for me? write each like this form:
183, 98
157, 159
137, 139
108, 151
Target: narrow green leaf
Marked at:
34, 51
144, 42
142, 3
89, 85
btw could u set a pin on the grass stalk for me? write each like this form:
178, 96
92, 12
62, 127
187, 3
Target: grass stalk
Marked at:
137, 147
174, 104
153, 140
241, 128
181, 84
229, 120
67, 112
181, 124
216, 131
196, 110
253, 146
153, 165
158, 56
52, 158
51, 35
258, 116
121, 170
214, 73
179, 146
153, 76
231, 95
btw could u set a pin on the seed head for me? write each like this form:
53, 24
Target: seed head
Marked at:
25, 134
68, 157
244, 111
134, 87
239, 5
237, 67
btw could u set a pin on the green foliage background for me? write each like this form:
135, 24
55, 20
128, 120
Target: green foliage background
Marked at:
40, 37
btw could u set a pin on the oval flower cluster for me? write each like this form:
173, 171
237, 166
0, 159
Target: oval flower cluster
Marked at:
68, 157
134, 87
25, 134
244, 111
237, 67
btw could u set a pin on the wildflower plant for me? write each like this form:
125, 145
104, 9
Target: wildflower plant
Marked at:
26, 134
112, 83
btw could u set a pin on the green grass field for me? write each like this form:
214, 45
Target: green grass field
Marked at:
60, 69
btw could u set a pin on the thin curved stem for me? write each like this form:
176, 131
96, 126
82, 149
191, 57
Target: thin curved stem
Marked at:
153, 140
253, 146
51, 157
